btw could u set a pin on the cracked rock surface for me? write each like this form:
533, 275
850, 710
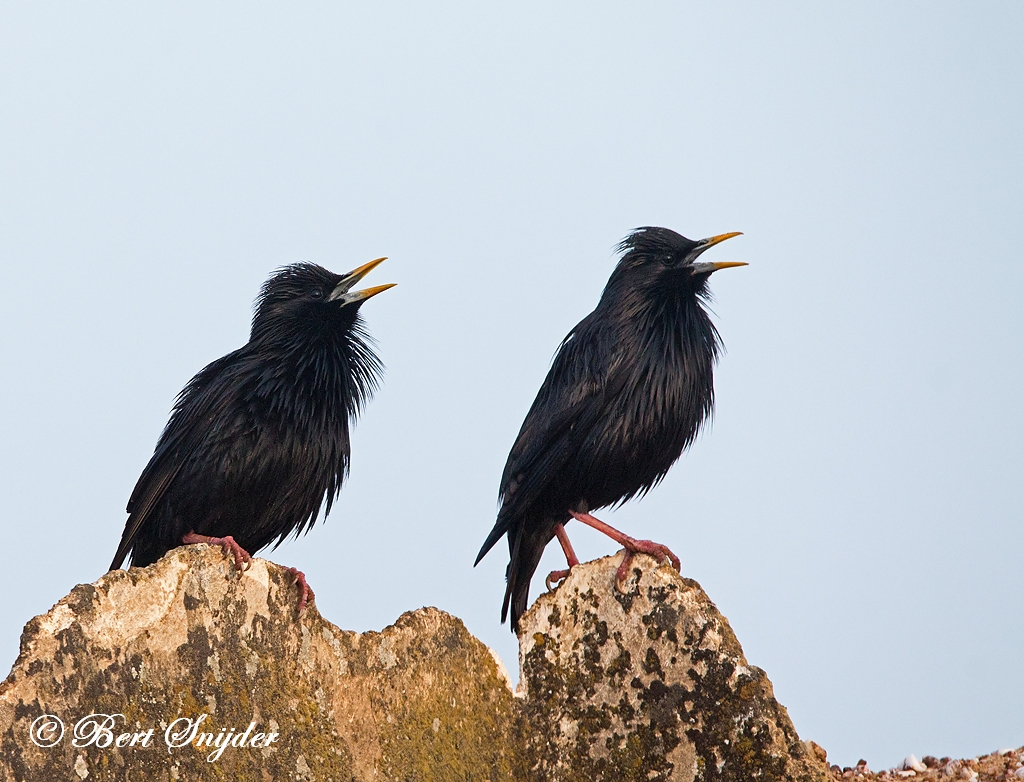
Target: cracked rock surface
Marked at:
647, 685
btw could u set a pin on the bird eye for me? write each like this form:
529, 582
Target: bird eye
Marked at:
668, 259
316, 293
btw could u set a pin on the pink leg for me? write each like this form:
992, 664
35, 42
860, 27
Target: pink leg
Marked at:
632, 545
557, 576
227, 543
306, 593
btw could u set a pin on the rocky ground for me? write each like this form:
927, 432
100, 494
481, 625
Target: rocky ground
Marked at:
1007, 764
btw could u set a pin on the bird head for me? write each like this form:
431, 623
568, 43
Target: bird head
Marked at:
661, 259
307, 294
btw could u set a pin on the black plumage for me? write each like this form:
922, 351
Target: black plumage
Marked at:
258, 441
628, 390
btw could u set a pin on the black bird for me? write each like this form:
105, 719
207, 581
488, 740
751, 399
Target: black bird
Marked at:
259, 439
627, 392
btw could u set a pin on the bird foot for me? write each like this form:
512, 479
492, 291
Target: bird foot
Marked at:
633, 546
555, 579
622, 574
306, 593
242, 558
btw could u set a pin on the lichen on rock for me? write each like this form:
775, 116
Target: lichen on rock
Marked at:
642, 685
648, 683
189, 636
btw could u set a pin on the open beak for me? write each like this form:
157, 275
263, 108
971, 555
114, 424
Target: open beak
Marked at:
341, 292
705, 244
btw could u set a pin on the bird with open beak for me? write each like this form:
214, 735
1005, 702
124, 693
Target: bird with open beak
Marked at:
627, 392
258, 441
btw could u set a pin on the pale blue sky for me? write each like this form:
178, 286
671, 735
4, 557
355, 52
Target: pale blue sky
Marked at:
855, 510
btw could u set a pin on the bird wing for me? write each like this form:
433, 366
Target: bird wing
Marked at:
187, 429
583, 377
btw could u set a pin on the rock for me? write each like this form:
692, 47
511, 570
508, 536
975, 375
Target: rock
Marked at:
818, 751
911, 763
995, 767
189, 636
648, 685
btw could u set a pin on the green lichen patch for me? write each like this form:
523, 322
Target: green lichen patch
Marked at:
648, 685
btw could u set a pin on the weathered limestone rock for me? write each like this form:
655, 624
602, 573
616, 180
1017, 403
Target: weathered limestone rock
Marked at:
646, 685
188, 636
650, 684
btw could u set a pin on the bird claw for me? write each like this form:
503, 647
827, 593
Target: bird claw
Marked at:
555, 578
306, 593
231, 548
660, 552
631, 545
622, 574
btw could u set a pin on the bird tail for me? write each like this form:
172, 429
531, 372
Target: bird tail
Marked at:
146, 539
500, 528
525, 550
126, 545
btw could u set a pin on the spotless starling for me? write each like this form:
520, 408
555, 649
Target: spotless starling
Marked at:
259, 439
628, 390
